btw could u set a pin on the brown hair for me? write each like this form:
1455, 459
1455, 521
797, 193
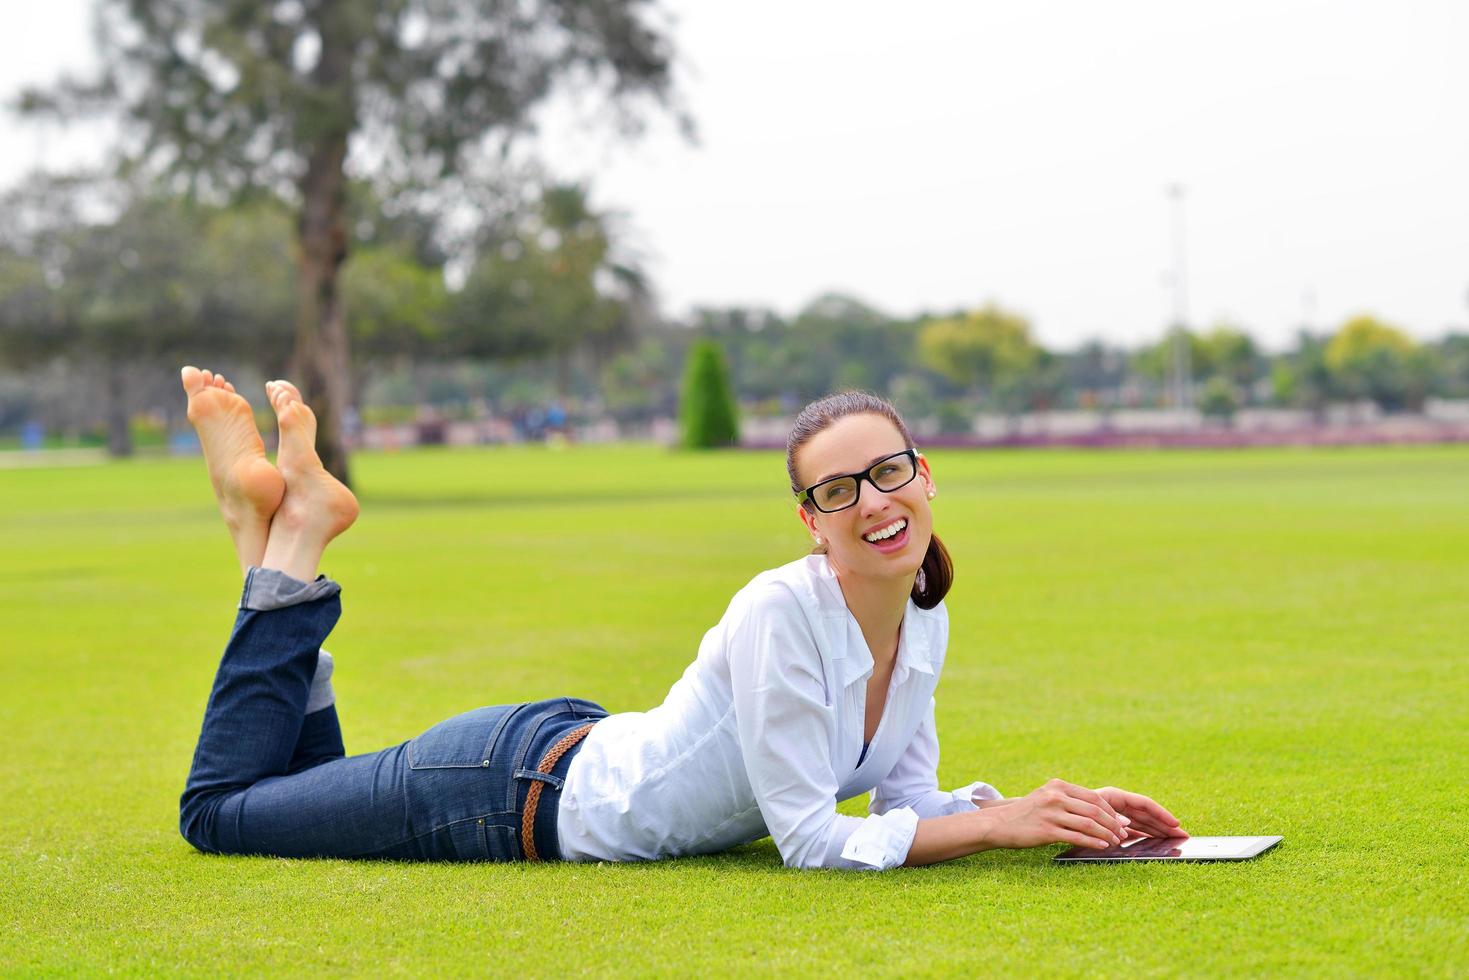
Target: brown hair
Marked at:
937, 572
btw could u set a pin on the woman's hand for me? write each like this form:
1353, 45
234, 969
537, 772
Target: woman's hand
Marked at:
1061, 813
1148, 819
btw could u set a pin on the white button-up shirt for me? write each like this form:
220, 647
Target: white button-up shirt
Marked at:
761, 736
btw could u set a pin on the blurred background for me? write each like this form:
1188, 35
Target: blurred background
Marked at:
485, 223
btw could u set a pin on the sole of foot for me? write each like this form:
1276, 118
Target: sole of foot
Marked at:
248, 488
315, 500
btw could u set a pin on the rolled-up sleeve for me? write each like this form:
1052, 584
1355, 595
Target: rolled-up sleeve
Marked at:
913, 782
783, 721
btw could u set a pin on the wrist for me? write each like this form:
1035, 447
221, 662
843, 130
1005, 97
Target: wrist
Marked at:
984, 830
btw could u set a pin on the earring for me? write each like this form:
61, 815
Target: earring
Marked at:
818, 540
930, 495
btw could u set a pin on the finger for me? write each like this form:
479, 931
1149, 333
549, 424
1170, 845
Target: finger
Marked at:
1149, 829
1138, 803
1087, 826
1108, 817
1089, 795
1080, 839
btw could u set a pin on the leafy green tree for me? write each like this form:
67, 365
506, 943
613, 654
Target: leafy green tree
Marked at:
239, 96
1230, 353
1301, 378
1219, 399
396, 306
161, 279
555, 284
1369, 358
635, 382
708, 413
981, 350
1450, 357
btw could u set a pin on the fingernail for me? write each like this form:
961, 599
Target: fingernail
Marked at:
1125, 822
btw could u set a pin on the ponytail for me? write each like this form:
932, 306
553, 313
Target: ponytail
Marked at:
934, 577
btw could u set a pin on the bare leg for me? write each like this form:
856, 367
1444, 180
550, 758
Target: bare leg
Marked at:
247, 487
316, 507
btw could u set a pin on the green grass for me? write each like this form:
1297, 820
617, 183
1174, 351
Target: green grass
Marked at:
1269, 642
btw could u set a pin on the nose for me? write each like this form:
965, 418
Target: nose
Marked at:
873, 501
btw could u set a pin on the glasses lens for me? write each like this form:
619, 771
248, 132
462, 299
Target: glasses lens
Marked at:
891, 474
836, 494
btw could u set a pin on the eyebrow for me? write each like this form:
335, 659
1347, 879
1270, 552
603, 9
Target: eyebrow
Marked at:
870, 464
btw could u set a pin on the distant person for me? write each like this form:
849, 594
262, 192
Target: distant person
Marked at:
815, 686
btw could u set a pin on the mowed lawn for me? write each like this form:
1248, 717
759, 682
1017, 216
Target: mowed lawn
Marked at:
1269, 642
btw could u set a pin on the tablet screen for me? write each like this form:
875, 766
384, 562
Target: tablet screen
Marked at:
1175, 849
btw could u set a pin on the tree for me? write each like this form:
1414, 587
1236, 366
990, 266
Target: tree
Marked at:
1230, 353
1301, 378
233, 97
555, 283
708, 410
1219, 399
979, 350
162, 278
1368, 358
634, 382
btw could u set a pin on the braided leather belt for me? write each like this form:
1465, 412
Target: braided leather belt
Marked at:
533, 796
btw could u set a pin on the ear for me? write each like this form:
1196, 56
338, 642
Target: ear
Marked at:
927, 475
806, 518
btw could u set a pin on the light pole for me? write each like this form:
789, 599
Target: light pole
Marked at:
1182, 381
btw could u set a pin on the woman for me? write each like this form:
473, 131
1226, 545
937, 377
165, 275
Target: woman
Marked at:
815, 686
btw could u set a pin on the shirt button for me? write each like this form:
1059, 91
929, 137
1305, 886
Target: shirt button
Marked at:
485, 763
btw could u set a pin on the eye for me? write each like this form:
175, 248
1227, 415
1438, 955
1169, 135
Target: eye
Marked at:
887, 468
831, 493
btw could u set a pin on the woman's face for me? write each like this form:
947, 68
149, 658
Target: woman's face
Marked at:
849, 445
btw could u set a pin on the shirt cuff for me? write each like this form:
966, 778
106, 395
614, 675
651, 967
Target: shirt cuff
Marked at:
977, 791
883, 840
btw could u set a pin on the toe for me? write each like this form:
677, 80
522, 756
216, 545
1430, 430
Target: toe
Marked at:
295, 392
192, 378
229, 387
208, 377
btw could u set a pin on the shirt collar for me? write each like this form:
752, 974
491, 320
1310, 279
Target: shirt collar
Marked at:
849, 648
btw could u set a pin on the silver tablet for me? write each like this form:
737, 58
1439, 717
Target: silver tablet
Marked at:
1175, 849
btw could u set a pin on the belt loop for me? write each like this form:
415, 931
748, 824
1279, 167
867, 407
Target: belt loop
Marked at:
533, 795
556, 781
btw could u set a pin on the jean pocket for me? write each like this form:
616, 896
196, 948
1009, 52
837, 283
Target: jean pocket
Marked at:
465, 741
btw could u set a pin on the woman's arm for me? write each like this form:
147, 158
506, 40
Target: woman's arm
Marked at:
1057, 813
784, 726
913, 780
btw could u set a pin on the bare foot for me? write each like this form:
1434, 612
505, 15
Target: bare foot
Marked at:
317, 506
247, 487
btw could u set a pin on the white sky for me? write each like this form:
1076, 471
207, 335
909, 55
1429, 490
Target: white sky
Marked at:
933, 155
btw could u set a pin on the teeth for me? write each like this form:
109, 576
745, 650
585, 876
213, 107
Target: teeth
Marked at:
886, 532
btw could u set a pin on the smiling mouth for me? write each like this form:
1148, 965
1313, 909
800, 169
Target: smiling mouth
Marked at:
889, 536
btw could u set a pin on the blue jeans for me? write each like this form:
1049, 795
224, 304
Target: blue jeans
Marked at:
267, 778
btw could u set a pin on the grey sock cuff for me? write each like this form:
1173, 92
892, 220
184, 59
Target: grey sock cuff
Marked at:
269, 588
322, 695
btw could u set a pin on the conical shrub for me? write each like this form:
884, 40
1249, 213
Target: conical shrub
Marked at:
707, 409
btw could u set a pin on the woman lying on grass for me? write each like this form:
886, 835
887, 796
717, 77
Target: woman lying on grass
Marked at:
815, 686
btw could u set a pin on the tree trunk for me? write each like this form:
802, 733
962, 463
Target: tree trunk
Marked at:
119, 435
321, 363
321, 322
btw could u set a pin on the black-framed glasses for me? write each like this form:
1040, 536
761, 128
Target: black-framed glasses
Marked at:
841, 492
